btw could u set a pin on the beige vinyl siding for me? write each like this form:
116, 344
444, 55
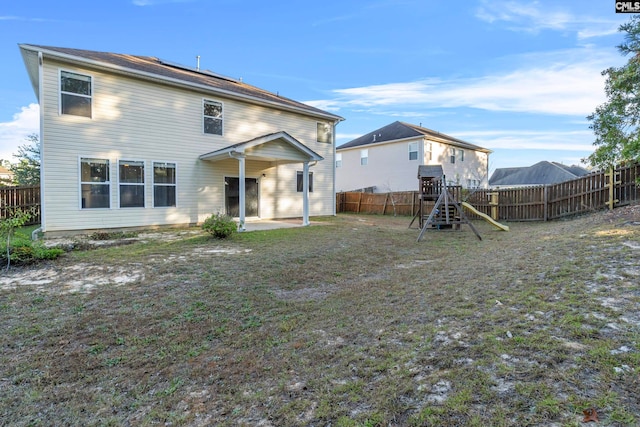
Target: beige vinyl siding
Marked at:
135, 119
276, 149
388, 168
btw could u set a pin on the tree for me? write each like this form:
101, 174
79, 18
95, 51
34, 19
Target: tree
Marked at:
27, 170
615, 123
7, 165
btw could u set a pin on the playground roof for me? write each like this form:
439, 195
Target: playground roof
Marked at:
430, 171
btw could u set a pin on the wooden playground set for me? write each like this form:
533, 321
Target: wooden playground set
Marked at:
438, 209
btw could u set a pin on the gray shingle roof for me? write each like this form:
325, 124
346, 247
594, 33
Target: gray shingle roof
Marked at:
542, 173
430, 171
400, 130
172, 72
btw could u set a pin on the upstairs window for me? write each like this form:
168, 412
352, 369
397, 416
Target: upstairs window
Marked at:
300, 184
164, 184
413, 151
95, 186
452, 153
428, 149
364, 157
212, 111
323, 133
461, 155
75, 94
131, 178
338, 160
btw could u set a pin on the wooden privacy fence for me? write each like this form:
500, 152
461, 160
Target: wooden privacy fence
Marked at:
20, 198
396, 203
592, 192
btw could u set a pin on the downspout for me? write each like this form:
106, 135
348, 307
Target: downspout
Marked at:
42, 228
241, 187
333, 142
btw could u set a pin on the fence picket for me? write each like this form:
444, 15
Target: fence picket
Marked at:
534, 203
26, 197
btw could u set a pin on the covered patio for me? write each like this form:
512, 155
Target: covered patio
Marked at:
275, 148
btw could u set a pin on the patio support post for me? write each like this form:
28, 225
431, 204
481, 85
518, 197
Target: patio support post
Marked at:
241, 187
305, 193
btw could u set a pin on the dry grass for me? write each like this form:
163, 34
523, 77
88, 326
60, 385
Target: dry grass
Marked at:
351, 323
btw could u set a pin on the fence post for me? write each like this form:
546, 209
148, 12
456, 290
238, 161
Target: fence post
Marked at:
612, 191
384, 206
545, 203
494, 199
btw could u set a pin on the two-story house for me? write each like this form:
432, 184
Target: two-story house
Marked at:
136, 141
387, 159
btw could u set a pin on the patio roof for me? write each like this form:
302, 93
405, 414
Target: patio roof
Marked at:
279, 146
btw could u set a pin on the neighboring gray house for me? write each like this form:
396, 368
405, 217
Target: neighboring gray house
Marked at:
387, 159
135, 141
541, 173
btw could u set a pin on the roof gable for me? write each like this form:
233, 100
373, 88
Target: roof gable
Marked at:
255, 148
169, 73
541, 173
397, 131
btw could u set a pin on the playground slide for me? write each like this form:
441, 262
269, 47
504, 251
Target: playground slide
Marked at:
485, 217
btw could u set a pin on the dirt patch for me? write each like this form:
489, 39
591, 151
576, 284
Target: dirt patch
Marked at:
352, 323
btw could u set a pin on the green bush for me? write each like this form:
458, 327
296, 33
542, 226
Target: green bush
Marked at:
25, 252
220, 226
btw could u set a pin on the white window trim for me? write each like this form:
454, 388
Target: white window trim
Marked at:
428, 148
205, 100
153, 184
364, 154
60, 92
330, 135
413, 151
338, 160
301, 175
80, 182
143, 185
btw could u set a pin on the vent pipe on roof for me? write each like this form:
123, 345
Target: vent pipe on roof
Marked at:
198, 63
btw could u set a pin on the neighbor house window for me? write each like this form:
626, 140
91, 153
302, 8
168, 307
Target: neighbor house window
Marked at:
95, 187
164, 184
212, 117
428, 149
131, 179
338, 160
413, 151
364, 157
452, 153
299, 183
461, 155
75, 94
323, 132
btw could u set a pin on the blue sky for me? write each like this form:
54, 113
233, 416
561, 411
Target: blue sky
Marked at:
517, 77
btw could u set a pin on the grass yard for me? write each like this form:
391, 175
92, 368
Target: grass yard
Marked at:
347, 323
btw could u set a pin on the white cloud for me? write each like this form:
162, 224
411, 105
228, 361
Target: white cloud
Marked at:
534, 17
559, 83
14, 133
519, 139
